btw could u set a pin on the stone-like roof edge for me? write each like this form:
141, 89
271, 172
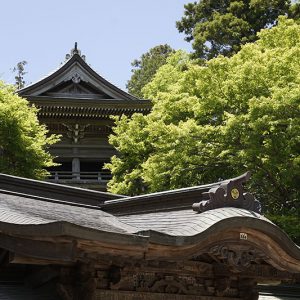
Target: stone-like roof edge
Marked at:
55, 191
210, 196
160, 201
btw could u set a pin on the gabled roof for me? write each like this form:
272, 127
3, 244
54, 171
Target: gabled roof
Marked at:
75, 79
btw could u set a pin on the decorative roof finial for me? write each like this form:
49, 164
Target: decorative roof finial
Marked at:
229, 193
74, 51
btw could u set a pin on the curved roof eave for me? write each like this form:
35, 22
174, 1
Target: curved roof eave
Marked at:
75, 58
50, 228
67, 229
154, 244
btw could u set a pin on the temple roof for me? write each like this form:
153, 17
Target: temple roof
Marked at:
75, 84
225, 218
46, 191
22, 210
187, 223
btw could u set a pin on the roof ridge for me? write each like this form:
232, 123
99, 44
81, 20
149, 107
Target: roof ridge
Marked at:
52, 200
73, 58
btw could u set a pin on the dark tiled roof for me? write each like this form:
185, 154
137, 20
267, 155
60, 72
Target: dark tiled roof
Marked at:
186, 222
24, 215
200, 198
21, 210
160, 201
54, 191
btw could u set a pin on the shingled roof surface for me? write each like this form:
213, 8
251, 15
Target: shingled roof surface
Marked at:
187, 222
19, 211
22, 210
21, 214
175, 232
178, 228
169, 213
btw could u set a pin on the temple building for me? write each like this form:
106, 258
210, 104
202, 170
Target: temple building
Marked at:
64, 242
208, 242
77, 103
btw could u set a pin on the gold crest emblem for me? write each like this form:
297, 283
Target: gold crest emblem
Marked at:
235, 193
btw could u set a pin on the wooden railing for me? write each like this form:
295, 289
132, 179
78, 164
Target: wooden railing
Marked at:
83, 177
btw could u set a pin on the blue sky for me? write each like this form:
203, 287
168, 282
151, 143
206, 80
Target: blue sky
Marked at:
110, 33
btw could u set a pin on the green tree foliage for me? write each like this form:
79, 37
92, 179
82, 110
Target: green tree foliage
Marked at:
20, 70
289, 223
216, 121
23, 141
146, 67
221, 27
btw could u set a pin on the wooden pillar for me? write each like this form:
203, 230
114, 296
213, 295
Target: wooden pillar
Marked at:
75, 168
77, 283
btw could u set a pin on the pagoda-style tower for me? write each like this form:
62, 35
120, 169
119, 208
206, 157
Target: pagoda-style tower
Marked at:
77, 103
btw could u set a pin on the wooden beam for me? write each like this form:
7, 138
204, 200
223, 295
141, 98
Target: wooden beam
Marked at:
63, 252
19, 259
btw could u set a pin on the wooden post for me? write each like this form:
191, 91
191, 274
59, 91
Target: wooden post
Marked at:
56, 178
75, 168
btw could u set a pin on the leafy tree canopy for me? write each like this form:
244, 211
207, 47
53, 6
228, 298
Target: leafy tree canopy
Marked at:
217, 121
221, 27
23, 141
146, 67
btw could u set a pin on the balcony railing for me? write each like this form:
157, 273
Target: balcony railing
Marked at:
79, 177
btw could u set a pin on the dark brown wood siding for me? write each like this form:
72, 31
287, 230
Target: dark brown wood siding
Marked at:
19, 291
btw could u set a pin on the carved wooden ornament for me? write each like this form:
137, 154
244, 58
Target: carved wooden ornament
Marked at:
229, 194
